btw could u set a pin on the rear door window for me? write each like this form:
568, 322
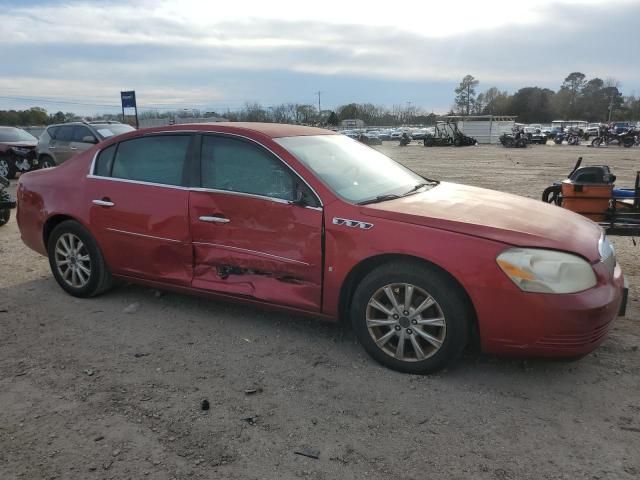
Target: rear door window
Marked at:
154, 159
64, 133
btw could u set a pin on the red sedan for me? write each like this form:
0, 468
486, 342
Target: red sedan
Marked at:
312, 221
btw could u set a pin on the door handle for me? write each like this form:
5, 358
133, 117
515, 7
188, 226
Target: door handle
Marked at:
210, 219
73, 148
103, 203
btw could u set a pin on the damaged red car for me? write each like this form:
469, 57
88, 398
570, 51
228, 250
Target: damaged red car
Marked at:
312, 221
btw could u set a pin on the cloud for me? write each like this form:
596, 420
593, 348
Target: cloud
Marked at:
198, 53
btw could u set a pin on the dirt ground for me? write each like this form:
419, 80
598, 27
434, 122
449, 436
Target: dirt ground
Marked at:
89, 391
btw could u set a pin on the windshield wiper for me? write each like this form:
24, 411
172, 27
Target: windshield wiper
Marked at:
393, 196
379, 198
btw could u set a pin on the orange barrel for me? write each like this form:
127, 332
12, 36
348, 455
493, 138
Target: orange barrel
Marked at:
590, 200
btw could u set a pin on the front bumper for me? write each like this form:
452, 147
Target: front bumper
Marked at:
555, 325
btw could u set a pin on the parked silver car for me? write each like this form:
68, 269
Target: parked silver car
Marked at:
58, 143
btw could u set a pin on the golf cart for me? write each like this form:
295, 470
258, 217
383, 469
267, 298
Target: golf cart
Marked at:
590, 191
447, 134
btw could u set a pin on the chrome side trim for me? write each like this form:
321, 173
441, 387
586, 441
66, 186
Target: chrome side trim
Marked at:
242, 194
137, 182
352, 223
93, 163
143, 235
246, 250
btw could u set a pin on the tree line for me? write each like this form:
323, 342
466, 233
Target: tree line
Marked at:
33, 116
578, 98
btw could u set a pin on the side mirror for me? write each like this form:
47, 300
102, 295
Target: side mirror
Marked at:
89, 139
300, 199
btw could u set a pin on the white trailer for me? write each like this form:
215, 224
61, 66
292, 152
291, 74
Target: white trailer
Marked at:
484, 128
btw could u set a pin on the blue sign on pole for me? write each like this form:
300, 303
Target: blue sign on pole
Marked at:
128, 99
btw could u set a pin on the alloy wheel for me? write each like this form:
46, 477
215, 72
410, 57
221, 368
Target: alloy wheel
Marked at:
72, 260
4, 168
406, 322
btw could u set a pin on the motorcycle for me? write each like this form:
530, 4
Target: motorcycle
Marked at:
559, 138
573, 137
6, 202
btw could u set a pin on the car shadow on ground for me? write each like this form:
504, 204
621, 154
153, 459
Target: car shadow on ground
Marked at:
174, 317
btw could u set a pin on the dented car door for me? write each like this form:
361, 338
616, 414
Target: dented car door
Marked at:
249, 236
138, 203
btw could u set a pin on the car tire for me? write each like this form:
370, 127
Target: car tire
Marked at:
70, 242
552, 195
440, 342
7, 167
47, 162
5, 215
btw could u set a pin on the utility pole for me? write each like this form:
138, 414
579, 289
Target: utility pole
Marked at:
319, 109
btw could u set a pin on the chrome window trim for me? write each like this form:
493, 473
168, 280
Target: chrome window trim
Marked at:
143, 235
202, 189
246, 250
137, 182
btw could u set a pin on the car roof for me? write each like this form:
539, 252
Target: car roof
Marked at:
272, 130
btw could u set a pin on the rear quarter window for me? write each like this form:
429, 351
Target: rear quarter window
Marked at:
52, 131
104, 161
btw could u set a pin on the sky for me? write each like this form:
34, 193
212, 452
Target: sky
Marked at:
77, 55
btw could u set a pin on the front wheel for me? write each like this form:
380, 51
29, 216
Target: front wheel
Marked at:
552, 195
596, 142
410, 317
5, 215
7, 167
47, 162
76, 261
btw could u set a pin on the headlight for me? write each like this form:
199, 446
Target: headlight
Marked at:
546, 271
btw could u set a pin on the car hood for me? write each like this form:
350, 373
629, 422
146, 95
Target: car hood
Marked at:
493, 215
25, 144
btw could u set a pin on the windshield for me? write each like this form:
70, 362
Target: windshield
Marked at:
353, 171
11, 135
111, 129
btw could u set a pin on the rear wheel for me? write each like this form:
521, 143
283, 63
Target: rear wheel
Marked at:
428, 142
410, 317
76, 261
